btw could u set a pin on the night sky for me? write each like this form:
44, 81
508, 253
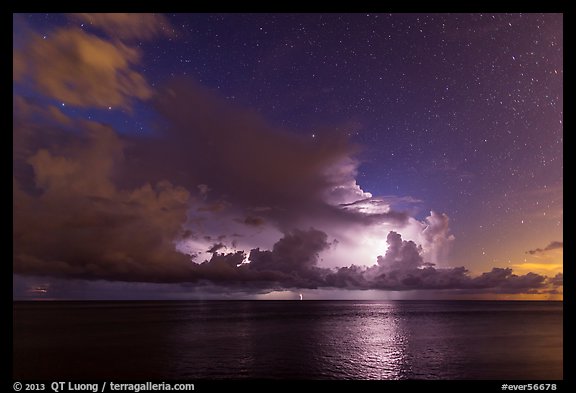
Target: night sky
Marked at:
266, 155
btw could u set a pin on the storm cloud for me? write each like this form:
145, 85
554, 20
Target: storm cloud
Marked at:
243, 159
215, 194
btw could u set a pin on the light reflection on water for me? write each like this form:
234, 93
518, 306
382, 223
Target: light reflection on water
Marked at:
290, 340
369, 343
363, 340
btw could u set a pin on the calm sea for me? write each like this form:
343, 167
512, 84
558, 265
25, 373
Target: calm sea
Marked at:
288, 340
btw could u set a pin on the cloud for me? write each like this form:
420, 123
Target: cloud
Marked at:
252, 221
236, 153
551, 246
504, 280
126, 236
437, 238
557, 280
401, 254
296, 253
127, 26
403, 268
81, 69
343, 188
261, 176
215, 248
293, 263
249, 163
82, 226
71, 220
217, 196
79, 217
84, 171
544, 268
27, 287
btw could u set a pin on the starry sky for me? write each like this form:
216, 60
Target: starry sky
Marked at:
265, 155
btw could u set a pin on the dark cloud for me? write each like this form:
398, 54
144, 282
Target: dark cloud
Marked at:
557, 280
216, 247
252, 221
429, 278
291, 263
552, 246
348, 277
296, 253
235, 152
29, 288
505, 281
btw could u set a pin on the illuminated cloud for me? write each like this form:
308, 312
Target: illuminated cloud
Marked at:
401, 254
403, 268
545, 267
81, 69
437, 240
344, 189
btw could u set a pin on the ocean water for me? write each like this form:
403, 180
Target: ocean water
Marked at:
288, 340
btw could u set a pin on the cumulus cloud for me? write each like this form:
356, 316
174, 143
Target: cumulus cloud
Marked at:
437, 238
81, 69
127, 26
403, 268
551, 246
297, 252
293, 263
343, 188
401, 254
